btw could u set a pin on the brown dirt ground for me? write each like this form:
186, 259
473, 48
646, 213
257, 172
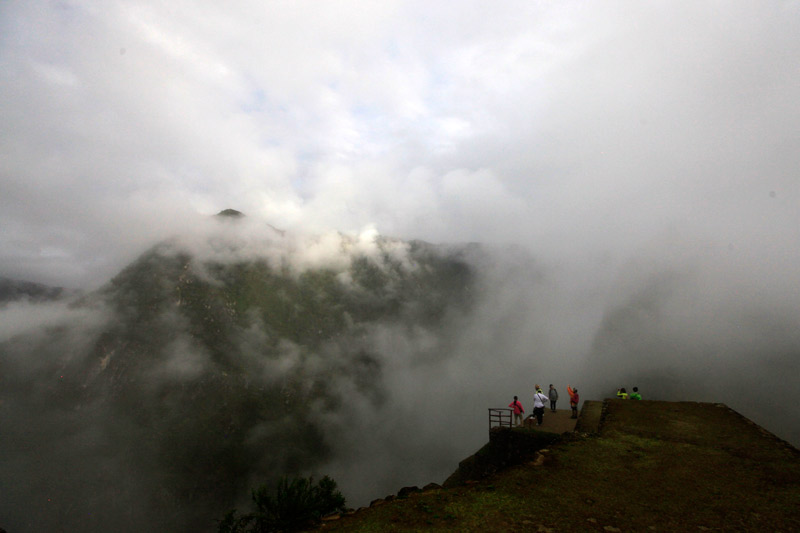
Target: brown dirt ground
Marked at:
557, 422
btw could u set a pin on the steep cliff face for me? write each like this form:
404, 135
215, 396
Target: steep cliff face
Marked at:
197, 369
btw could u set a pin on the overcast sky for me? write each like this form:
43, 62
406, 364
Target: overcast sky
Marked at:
581, 130
644, 157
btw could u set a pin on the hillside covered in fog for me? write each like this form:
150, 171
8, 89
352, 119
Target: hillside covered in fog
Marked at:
209, 366
229, 355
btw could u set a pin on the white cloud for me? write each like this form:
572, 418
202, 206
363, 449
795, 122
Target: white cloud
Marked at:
633, 150
581, 131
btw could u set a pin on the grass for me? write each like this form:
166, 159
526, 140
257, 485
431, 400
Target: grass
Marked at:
655, 466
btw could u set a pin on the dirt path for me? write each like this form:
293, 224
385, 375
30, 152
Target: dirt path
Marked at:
557, 422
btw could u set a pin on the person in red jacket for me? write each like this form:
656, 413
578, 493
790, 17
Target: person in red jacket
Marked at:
573, 400
518, 411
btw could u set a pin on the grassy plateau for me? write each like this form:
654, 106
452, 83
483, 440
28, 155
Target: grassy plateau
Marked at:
630, 466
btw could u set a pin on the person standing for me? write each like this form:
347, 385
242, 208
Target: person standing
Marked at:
622, 394
553, 394
635, 394
573, 400
518, 411
538, 406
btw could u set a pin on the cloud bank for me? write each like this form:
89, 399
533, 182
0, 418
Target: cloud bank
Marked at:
640, 161
568, 128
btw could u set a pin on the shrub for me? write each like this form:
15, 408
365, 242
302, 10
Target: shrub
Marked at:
293, 505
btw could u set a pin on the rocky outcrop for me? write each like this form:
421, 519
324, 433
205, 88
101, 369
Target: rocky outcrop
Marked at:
507, 447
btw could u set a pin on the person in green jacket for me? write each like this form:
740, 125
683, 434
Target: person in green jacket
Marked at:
622, 394
635, 394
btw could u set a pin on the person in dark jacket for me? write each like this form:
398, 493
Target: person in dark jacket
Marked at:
553, 394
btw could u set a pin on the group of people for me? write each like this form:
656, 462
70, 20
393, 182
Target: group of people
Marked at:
623, 395
539, 400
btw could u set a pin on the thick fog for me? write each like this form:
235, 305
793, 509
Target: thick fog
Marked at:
632, 168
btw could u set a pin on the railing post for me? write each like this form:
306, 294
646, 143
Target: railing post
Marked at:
502, 416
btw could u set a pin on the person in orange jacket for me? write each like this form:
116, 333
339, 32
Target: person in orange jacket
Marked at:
573, 400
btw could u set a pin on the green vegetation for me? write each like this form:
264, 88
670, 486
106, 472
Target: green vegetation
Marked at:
213, 372
654, 466
292, 506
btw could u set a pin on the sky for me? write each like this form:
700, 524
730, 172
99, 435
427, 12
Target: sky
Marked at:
579, 130
635, 166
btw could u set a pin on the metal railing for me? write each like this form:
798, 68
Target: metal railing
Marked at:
499, 417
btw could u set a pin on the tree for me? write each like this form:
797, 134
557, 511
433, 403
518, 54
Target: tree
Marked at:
293, 505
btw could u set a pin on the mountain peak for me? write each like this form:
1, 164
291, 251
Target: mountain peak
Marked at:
232, 213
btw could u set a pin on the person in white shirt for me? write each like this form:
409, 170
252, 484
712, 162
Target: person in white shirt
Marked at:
538, 405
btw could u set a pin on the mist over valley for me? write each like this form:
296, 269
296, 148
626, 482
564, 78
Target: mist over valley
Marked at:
443, 206
221, 360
